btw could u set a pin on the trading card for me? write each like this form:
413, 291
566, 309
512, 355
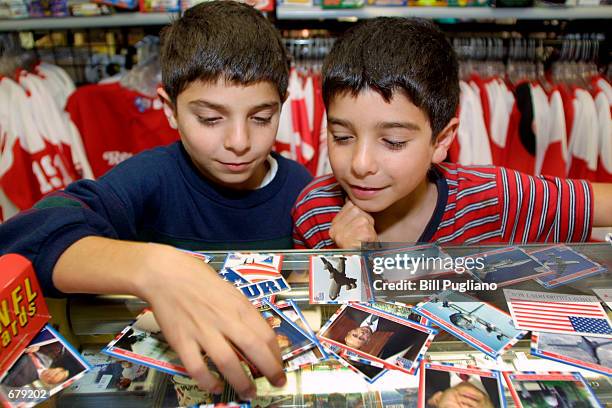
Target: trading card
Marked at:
589, 353
479, 324
605, 295
233, 277
550, 390
448, 385
255, 291
306, 358
109, 375
370, 373
254, 266
200, 255
48, 365
336, 279
256, 275
292, 341
567, 265
408, 263
377, 336
400, 309
142, 342
507, 266
558, 313
403, 273
292, 311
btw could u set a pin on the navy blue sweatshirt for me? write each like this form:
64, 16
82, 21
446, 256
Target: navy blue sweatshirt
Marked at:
156, 196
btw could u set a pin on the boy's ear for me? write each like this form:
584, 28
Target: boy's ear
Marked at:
169, 108
444, 140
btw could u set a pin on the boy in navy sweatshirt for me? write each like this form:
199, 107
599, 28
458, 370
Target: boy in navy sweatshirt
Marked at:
224, 75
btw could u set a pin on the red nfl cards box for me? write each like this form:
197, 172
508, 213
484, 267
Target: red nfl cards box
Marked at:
23, 311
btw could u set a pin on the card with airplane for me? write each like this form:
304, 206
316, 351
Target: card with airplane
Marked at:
567, 265
479, 324
336, 279
507, 266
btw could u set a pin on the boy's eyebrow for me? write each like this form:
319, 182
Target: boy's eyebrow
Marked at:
202, 103
265, 105
340, 122
403, 125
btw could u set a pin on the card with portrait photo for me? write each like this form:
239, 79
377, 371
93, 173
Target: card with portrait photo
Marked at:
292, 341
446, 384
111, 377
479, 324
508, 266
370, 373
589, 353
336, 279
374, 335
142, 342
529, 389
567, 265
46, 366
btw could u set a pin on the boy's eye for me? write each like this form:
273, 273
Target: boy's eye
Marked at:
209, 121
341, 139
394, 145
260, 120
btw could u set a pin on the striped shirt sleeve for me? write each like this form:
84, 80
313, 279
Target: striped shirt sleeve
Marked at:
544, 209
314, 212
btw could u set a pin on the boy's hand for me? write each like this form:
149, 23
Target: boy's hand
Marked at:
199, 312
352, 226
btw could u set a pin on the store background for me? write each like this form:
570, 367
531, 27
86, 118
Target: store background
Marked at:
102, 42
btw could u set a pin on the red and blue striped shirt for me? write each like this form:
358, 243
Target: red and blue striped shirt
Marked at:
481, 205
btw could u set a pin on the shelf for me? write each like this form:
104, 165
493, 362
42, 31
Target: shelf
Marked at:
316, 13
478, 13
115, 20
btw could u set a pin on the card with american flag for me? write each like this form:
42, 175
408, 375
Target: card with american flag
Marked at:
558, 313
254, 266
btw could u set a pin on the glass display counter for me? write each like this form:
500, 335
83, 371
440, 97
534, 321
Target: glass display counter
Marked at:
94, 321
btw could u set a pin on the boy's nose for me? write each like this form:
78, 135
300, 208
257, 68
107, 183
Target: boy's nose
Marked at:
363, 161
237, 140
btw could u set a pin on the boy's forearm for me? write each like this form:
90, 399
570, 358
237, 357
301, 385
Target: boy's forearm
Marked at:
602, 204
100, 265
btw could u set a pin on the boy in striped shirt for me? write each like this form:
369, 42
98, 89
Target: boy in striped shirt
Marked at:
391, 90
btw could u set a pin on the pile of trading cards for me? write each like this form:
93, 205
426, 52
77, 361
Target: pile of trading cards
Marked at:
376, 330
387, 319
